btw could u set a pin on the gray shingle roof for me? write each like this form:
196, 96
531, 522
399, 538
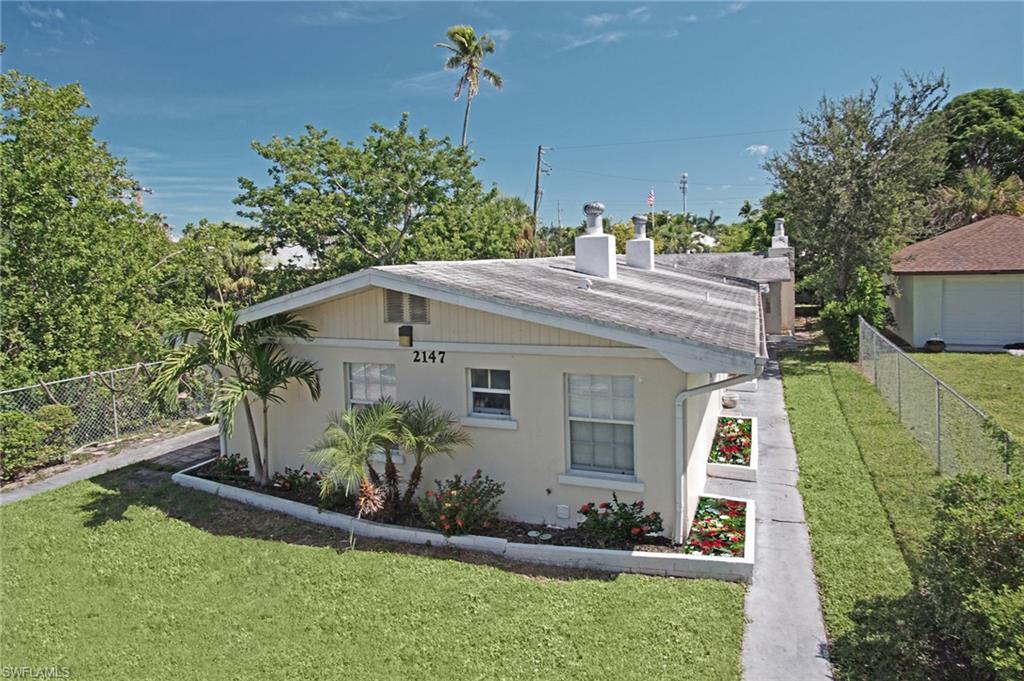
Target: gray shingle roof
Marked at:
669, 304
756, 266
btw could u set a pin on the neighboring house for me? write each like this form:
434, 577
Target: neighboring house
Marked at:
965, 286
773, 269
576, 376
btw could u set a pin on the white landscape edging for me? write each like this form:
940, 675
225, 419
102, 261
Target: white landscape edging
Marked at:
644, 562
735, 471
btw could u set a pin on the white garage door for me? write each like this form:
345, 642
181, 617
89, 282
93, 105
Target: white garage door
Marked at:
983, 310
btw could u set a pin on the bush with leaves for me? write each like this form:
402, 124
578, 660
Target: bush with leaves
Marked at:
866, 299
461, 506
29, 440
975, 571
618, 521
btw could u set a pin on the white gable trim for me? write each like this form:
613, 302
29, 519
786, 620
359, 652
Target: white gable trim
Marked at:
689, 356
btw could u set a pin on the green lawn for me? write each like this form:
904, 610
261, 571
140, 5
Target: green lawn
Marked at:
866, 487
116, 579
995, 383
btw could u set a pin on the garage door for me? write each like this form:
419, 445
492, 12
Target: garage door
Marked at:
983, 310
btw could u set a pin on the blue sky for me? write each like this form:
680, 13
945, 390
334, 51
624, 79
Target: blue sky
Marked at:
181, 89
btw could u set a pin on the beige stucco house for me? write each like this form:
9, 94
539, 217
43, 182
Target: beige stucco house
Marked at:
575, 376
772, 269
965, 287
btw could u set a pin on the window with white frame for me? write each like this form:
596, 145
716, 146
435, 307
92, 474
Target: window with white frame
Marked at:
368, 383
490, 393
601, 412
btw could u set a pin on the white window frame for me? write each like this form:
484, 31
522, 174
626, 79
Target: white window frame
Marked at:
573, 473
351, 401
494, 391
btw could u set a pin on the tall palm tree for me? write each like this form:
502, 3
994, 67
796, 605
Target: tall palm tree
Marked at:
977, 194
468, 54
248, 365
427, 432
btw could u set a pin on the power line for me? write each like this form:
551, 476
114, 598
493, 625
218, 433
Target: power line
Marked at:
673, 139
647, 179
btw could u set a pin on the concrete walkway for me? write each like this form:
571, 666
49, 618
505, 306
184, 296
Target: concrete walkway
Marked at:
785, 634
202, 439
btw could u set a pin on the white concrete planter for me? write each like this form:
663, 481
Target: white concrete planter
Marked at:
734, 471
610, 560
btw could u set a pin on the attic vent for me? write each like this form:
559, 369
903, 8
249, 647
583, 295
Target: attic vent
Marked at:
405, 308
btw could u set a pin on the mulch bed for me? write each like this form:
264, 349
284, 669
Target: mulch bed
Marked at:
513, 531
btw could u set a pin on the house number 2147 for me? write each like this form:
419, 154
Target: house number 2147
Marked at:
424, 357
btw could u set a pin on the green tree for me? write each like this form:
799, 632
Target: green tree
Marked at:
427, 431
249, 365
468, 53
754, 231
396, 198
986, 130
673, 233
975, 195
82, 269
856, 178
218, 257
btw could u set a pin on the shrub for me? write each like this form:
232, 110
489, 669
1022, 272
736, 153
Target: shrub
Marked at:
733, 442
618, 521
975, 571
229, 466
462, 506
867, 299
295, 479
30, 440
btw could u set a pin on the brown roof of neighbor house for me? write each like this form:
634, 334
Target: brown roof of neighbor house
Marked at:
992, 245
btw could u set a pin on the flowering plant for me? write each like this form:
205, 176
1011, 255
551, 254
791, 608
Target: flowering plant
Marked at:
295, 479
719, 528
462, 506
617, 520
230, 465
732, 442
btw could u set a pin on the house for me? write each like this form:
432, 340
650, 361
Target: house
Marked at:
965, 286
773, 269
575, 376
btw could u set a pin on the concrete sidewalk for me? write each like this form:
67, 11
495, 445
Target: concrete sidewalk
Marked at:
785, 634
124, 458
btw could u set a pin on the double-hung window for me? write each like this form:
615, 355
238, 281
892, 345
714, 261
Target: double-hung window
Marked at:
490, 393
368, 383
601, 410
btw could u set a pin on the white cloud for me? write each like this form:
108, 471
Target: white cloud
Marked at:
501, 35
427, 83
636, 15
689, 18
733, 8
46, 14
758, 149
372, 15
600, 38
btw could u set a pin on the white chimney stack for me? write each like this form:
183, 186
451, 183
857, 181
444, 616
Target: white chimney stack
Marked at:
595, 250
780, 242
640, 249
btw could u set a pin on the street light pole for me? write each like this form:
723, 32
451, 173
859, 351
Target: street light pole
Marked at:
684, 184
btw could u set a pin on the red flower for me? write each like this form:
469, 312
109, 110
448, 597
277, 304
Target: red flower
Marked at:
430, 492
635, 531
443, 517
458, 521
603, 504
585, 509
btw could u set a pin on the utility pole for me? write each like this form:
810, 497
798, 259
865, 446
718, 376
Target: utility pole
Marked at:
537, 191
558, 205
684, 184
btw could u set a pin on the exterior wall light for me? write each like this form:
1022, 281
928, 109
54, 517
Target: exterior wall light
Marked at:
405, 336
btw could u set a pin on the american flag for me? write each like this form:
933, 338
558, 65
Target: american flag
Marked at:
650, 198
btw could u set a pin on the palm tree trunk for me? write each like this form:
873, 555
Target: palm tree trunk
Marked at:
254, 440
465, 118
265, 473
412, 484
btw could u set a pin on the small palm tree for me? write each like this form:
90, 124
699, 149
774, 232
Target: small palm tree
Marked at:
248, 365
426, 431
343, 454
468, 54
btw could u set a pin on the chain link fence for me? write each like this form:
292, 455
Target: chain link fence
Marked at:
109, 405
959, 436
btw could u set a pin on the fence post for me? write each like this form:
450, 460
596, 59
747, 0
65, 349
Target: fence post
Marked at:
874, 353
113, 401
899, 389
938, 426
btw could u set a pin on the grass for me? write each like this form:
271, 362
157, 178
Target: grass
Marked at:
993, 382
128, 576
866, 485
